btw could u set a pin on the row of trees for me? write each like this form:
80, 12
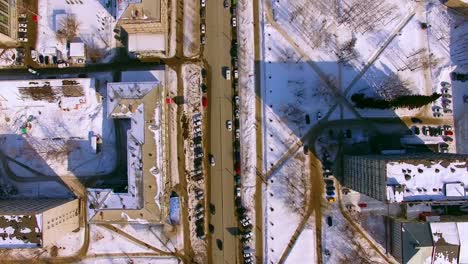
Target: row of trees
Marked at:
404, 101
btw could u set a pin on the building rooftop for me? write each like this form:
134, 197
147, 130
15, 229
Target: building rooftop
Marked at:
446, 242
18, 231
427, 180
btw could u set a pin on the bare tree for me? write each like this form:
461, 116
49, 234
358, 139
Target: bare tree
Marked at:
392, 87
68, 27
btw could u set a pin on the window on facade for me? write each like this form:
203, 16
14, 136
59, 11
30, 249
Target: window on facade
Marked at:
4, 7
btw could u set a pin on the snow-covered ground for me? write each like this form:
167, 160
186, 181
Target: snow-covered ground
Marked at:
191, 77
95, 28
191, 28
248, 140
41, 132
286, 195
8, 57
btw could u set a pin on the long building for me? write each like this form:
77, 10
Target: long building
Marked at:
36, 223
408, 177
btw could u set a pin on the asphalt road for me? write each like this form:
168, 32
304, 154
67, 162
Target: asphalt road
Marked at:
216, 53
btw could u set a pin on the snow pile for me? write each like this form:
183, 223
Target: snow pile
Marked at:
191, 28
432, 180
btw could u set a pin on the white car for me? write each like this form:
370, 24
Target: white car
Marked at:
236, 74
229, 125
23, 39
203, 28
203, 3
197, 123
247, 255
212, 161
197, 129
234, 22
33, 71
236, 114
237, 133
62, 65
237, 100
319, 115
33, 55
22, 16
198, 134
23, 25
227, 73
238, 191
197, 117
22, 30
199, 155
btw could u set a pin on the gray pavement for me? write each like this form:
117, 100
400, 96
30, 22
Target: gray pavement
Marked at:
221, 179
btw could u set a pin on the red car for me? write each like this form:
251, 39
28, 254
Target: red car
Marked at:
238, 170
362, 205
448, 133
204, 102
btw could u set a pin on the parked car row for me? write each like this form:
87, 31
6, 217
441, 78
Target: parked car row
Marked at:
202, 24
197, 175
327, 172
22, 27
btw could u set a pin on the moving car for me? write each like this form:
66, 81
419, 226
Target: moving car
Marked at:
229, 125
227, 73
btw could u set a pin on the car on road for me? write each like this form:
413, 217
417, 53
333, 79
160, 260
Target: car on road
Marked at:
199, 155
212, 160
22, 30
23, 39
329, 182
204, 101
203, 3
225, 4
202, 12
203, 28
227, 73
203, 40
416, 130
329, 221
41, 58
416, 120
22, 25
319, 115
219, 244
237, 133
331, 199
22, 15
46, 60
448, 133
204, 88
236, 74
330, 193
234, 22
447, 128
32, 71
229, 125
236, 114
237, 167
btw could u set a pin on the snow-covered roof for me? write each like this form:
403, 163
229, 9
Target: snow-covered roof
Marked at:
77, 49
17, 231
122, 96
426, 180
463, 235
446, 242
146, 42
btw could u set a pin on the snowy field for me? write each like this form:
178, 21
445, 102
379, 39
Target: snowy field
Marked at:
95, 26
191, 28
40, 127
286, 195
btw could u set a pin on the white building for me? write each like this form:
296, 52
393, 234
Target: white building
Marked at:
37, 223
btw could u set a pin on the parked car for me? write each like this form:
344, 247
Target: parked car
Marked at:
22, 25
307, 119
203, 3
416, 130
416, 120
203, 40
237, 100
448, 133
447, 139
237, 133
33, 55
319, 115
212, 160
46, 60
447, 128
22, 30
448, 111
234, 22
23, 39
41, 58
23, 15
329, 221
225, 3
229, 125
203, 28
204, 101
32, 71
227, 73
458, 76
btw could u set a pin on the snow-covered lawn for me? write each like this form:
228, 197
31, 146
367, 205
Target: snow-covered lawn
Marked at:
286, 195
42, 132
191, 75
191, 28
95, 27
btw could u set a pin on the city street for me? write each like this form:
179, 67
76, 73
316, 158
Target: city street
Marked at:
223, 242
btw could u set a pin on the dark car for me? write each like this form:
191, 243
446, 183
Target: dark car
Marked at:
46, 59
416, 130
307, 119
225, 3
237, 179
447, 139
202, 12
330, 188
459, 76
212, 209
54, 59
306, 149
203, 72
41, 58
219, 243
329, 182
329, 221
204, 88
416, 120
211, 228
237, 167
330, 193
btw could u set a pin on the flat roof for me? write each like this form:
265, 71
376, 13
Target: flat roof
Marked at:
426, 181
17, 231
146, 42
